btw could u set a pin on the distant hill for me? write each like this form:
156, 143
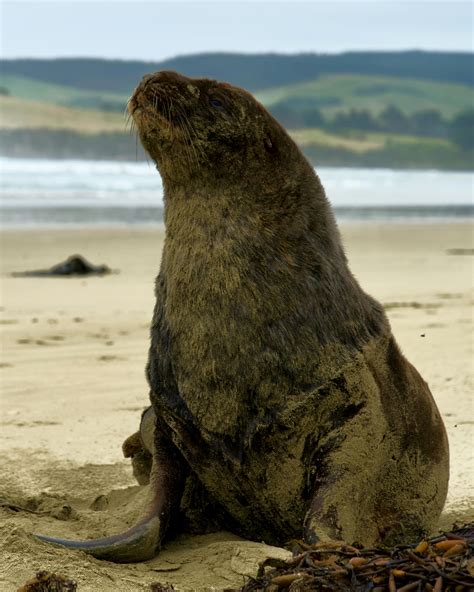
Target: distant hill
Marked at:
48, 92
252, 71
391, 109
341, 92
330, 94
19, 113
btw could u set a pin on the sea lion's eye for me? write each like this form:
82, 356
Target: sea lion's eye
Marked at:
217, 104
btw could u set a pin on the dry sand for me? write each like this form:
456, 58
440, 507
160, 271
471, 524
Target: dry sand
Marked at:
73, 386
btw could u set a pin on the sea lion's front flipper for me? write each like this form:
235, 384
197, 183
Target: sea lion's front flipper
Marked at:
139, 447
147, 429
142, 541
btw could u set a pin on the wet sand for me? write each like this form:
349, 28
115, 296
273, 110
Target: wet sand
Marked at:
73, 386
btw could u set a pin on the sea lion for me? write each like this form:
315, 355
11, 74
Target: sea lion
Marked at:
74, 265
283, 404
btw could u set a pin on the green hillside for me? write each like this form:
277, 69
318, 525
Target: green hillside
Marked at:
18, 113
338, 119
335, 93
329, 94
37, 90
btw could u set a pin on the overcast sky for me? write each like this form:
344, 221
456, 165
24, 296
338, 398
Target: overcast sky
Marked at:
157, 30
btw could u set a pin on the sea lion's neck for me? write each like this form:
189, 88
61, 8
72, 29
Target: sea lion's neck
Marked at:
229, 245
252, 212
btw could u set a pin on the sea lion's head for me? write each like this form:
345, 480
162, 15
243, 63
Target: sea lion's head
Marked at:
190, 125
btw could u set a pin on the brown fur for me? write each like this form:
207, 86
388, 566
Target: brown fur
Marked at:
271, 371
283, 405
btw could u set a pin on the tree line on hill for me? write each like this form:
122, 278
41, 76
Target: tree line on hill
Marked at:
251, 71
428, 122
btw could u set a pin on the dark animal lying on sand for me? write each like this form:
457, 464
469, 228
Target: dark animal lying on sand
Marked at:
74, 265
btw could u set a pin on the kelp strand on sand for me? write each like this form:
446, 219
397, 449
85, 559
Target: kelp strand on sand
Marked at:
438, 564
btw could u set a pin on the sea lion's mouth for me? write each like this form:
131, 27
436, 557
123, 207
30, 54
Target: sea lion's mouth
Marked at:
133, 106
148, 114
142, 102
158, 100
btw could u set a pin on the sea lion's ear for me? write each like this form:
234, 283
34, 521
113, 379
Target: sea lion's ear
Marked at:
270, 145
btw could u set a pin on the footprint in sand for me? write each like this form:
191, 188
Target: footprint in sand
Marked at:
460, 251
448, 296
415, 305
78, 320
24, 341
98, 335
100, 503
8, 321
39, 422
30, 424
56, 337
110, 358
5, 365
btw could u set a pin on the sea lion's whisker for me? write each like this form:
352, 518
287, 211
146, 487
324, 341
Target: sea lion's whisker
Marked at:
169, 116
187, 140
190, 151
130, 124
190, 131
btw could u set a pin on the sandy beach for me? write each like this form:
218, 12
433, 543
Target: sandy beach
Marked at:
73, 387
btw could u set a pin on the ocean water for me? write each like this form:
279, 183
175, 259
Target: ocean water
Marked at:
38, 192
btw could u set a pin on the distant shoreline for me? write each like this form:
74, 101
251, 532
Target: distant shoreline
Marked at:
119, 148
152, 217
74, 192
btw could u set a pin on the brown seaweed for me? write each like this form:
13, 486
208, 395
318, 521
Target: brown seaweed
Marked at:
437, 564
48, 582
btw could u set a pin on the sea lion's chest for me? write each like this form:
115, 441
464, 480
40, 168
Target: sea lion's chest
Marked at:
244, 327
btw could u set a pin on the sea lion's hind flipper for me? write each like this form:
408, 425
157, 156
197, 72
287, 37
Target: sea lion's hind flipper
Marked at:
142, 541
